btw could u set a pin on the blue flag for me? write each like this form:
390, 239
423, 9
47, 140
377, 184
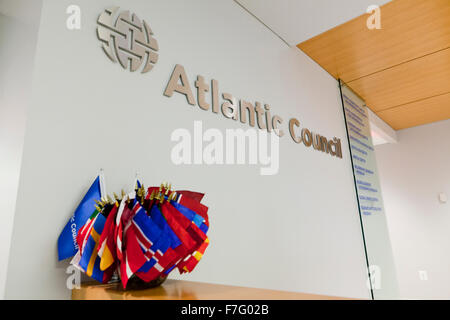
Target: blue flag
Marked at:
67, 241
166, 238
90, 261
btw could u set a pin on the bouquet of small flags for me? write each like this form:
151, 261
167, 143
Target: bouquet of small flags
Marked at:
145, 234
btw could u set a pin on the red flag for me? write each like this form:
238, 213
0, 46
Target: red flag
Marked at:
195, 206
170, 213
163, 262
187, 265
107, 244
197, 196
196, 234
124, 222
133, 258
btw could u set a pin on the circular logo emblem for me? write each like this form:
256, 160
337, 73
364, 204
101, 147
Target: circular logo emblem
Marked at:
127, 39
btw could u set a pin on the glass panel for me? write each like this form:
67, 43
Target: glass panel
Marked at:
380, 261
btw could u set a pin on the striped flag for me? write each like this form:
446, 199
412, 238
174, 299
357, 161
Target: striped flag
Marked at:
188, 264
85, 231
133, 257
122, 220
106, 244
128, 236
198, 229
90, 262
157, 241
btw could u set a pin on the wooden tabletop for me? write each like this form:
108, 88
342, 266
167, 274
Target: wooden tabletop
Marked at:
188, 290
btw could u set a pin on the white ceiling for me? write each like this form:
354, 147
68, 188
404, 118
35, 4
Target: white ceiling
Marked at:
298, 20
293, 20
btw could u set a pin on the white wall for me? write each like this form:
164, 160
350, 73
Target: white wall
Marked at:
18, 39
413, 172
298, 230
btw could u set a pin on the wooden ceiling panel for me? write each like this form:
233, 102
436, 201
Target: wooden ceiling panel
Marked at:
418, 113
420, 78
410, 29
404, 65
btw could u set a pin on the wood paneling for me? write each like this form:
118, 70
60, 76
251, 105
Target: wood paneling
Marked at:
423, 77
417, 113
407, 61
188, 290
410, 29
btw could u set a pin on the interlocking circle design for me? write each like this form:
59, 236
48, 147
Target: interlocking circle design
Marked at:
127, 39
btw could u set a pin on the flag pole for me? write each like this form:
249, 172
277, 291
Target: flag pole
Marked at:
102, 183
136, 178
